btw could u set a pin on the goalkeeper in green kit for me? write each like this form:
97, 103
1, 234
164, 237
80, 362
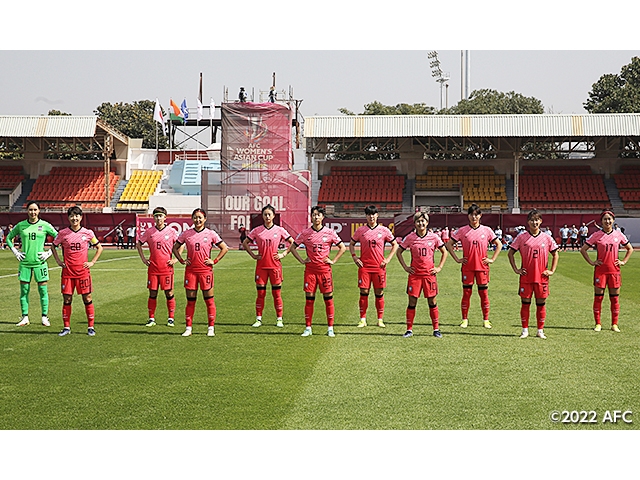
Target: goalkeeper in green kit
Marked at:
33, 233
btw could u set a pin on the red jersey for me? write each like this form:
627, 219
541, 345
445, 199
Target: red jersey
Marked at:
535, 255
372, 241
160, 245
607, 246
475, 242
199, 246
318, 245
75, 250
268, 240
422, 251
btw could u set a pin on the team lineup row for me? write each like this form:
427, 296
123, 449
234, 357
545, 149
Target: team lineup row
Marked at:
166, 248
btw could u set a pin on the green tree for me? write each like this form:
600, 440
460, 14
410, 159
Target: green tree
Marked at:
616, 93
377, 108
492, 102
134, 120
55, 113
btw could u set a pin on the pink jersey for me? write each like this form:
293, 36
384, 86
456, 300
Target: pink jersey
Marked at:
75, 250
318, 245
268, 240
372, 241
199, 246
475, 242
444, 234
535, 255
607, 245
160, 245
422, 251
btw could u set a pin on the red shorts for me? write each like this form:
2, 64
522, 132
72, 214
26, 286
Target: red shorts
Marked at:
481, 277
539, 290
160, 282
367, 276
274, 275
314, 280
80, 285
611, 280
194, 280
426, 284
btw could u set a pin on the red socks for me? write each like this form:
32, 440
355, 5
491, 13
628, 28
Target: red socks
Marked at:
484, 301
189, 311
308, 311
597, 307
466, 300
90, 311
380, 306
171, 307
277, 301
66, 315
262, 293
541, 315
330, 310
211, 310
411, 316
615, 308
151, 306
433, 314
524, 314
364, 304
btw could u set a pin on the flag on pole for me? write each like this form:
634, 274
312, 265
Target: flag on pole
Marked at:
174, 112
200, 109
159, 117
184, 110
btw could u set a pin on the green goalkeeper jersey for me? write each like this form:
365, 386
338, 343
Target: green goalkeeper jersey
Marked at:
34, 236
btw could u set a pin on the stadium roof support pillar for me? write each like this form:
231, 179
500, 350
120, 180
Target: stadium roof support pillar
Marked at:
517, 156
108, 150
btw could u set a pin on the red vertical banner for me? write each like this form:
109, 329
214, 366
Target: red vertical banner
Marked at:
256, 136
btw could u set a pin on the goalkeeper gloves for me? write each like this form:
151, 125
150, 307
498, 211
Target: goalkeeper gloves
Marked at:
19, 255
44, 255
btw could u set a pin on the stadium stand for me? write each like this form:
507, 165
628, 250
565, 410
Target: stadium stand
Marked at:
10, 177
352, 188
142, 184
562, 188
64, 187
480, 185
628, 184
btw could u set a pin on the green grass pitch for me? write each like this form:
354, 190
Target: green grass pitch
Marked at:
132, 377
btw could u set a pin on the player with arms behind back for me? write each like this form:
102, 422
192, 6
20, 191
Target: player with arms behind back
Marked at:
33, 234
199, 242
607, 267
534, 247
76, 275
317, 241
160, 239
422, 272
372, 264
475, 239
268, 237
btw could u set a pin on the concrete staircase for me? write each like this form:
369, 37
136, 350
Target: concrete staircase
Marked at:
118, 193
614, 196
27, 186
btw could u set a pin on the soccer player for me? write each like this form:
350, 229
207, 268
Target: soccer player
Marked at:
160, 239
76, 275
317, 241
607, 267
33, 234
534, 247
269, 266
475, 239
372, 264
422, 272
199, 242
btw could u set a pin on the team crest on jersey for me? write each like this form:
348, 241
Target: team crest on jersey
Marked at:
84, 238
430, 243
482, 236
39, 228
379, 235
166, 237
324, 238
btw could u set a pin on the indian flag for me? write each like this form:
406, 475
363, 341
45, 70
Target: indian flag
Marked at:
174, 112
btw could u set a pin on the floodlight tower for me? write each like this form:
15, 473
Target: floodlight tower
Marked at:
441, 77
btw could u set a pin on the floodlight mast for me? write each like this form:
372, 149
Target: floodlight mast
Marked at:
441, 77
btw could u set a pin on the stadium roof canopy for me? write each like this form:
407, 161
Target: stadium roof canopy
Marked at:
61, 134
438, 134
